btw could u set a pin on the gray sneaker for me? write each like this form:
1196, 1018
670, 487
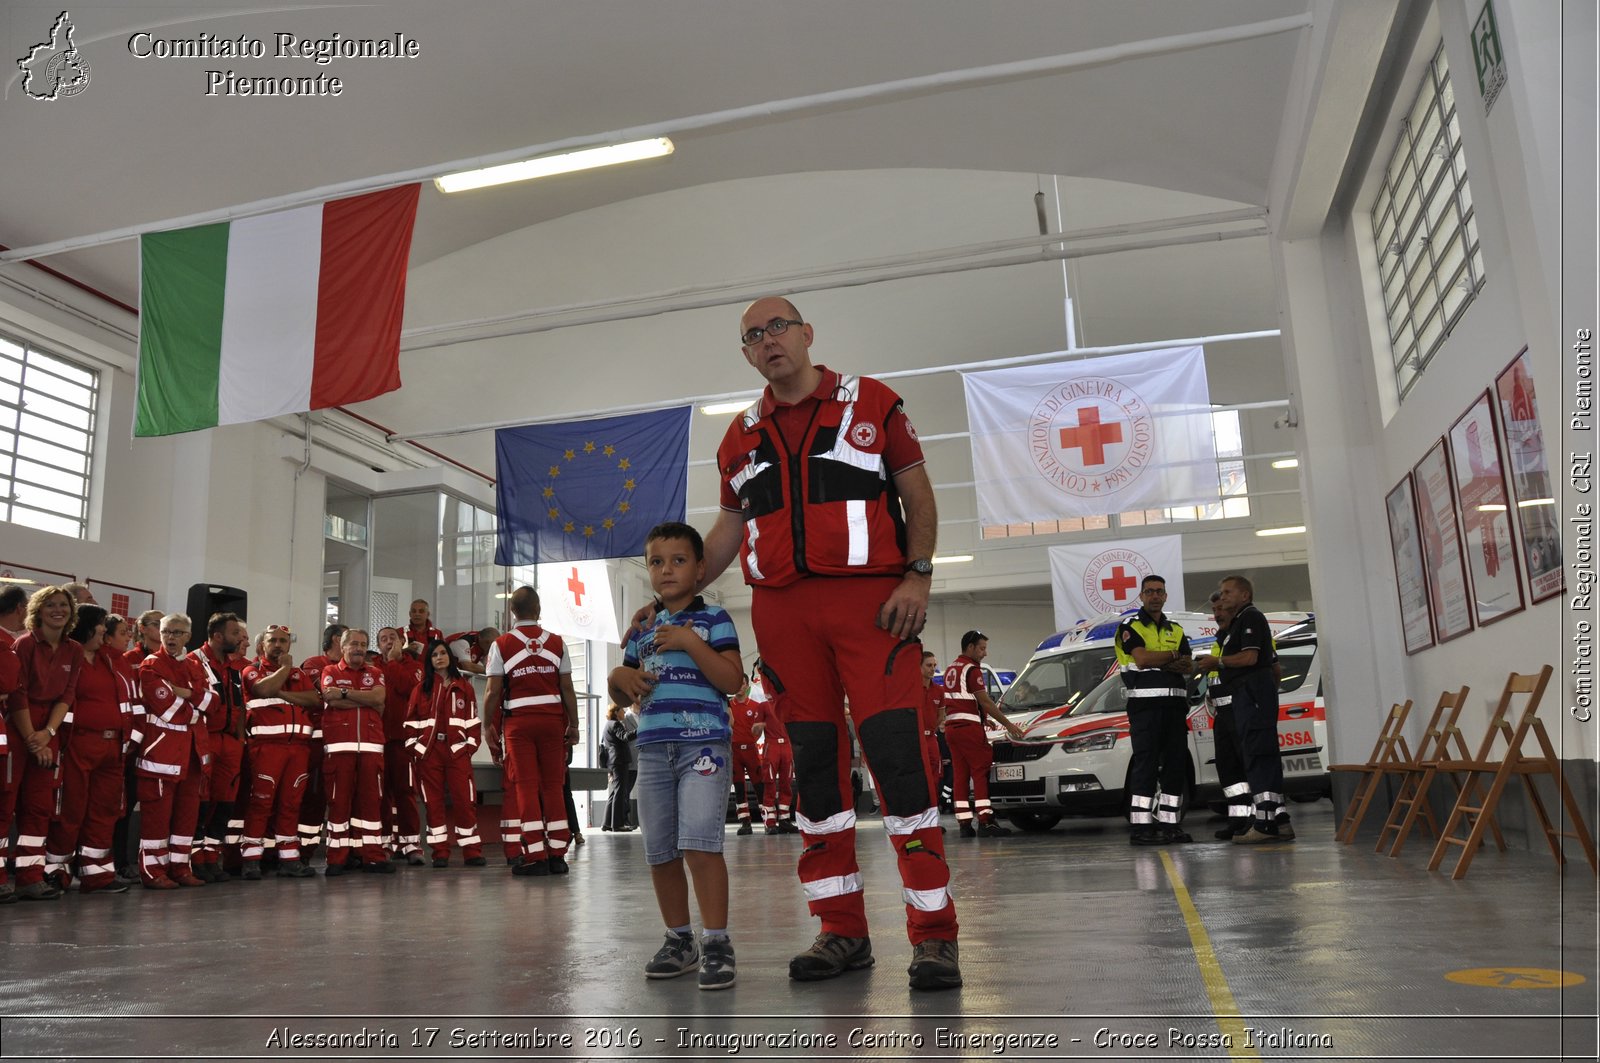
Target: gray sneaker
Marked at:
716, 969
935, 964
830, 956
680, 955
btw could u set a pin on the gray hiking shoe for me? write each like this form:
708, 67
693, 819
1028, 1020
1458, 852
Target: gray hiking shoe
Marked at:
935, 964
680, 955
830, 956
716, 968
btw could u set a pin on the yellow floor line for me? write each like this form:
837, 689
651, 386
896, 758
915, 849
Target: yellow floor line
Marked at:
1223, 1007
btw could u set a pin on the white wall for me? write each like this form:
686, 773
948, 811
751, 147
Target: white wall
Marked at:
1360, 446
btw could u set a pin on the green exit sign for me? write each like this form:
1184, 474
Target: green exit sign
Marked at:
1488, 56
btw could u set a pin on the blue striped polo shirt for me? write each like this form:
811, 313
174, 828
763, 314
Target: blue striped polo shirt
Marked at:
683, 706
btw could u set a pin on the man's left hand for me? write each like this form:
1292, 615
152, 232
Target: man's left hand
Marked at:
906, 611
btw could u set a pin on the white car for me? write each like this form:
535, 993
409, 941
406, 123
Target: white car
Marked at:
1073, 757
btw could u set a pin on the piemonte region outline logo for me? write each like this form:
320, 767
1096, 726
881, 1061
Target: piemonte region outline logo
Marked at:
1111, 578
55, 69
1091, 436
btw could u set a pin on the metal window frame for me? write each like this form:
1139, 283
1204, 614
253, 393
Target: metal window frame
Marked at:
38, 365
1405, 314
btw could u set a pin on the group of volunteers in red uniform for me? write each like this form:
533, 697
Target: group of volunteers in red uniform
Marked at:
226, 755
763, 760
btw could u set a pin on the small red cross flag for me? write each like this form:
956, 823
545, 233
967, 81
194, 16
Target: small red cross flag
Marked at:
575, 600
1090, 437
1089, 579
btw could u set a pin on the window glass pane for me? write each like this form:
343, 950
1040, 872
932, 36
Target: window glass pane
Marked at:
10, 349
49, 501
10, 368
10, 395
994, 531
69, 416
73, 460
1405, 184
72, 373
1225, 431
32, 518
46, 476
56, 388
1100, 523
1237, 506
1418, 282
1131, 520
1429, 335
1408, 221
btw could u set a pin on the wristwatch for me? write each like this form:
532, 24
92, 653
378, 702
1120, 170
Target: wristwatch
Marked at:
921, 566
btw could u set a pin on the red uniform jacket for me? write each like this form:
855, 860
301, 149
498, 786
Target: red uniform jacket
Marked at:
961, 680
106, 695
223, 705
346, 726
775, 731
171, 725
837, 459
423, 635
271, 719
449, 714
10, 677
44, 677
743, 714
400, 678
531, 661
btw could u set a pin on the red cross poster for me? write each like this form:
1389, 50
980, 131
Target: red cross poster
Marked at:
1090, 437
575, 600
1089, 579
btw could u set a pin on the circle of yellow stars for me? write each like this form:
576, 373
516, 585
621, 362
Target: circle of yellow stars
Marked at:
589, 530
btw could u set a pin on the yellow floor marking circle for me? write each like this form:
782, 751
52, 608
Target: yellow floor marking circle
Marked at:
1516, 977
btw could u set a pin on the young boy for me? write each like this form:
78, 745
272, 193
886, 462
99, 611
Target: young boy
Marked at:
681, 670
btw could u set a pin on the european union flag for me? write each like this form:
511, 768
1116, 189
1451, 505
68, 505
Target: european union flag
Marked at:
589, 489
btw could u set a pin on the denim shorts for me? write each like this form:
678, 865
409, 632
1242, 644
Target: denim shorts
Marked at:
682, 791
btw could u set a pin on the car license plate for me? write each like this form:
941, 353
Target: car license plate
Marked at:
1008, 773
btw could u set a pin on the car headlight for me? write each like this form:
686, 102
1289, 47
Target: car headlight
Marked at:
1090, 742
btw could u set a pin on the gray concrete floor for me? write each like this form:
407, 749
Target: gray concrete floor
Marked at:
1073, 944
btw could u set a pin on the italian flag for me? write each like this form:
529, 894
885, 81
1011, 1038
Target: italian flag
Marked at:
276, 314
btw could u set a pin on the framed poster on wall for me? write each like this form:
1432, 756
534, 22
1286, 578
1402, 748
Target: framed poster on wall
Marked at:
1448, 595
31, 579
1410, 573
1485, 513
124, 601
1532, 493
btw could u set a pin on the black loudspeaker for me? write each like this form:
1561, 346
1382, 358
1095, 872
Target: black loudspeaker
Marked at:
205, 599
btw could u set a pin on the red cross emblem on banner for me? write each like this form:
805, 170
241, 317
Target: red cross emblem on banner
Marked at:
1091, 436
1119, 583
575, 585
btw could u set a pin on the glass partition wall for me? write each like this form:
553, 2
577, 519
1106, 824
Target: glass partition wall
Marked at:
381, 553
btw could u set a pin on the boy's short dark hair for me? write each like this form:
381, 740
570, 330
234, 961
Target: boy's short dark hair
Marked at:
676, 529
972, 638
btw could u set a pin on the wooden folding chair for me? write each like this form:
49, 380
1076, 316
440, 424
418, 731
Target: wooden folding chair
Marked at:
1413, 801
1389, 755
1483, 767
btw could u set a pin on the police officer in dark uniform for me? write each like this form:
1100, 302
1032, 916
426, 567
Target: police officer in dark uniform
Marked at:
1225, 735
1154, 657
1247, 670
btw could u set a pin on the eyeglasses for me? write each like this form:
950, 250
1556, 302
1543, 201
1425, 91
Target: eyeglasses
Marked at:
776, 327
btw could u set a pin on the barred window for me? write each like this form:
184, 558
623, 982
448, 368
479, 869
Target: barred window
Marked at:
1430, 262
48, 408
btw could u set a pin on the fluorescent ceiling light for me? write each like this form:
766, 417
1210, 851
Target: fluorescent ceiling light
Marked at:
548, 165
715, 408
502, 596
18, 579
1297, 529
953, 559
1286, 463
1490, 507
1536, 502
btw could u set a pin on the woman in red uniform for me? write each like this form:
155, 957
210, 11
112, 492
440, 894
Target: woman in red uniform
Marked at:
443, 731
50, 663
91, 763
